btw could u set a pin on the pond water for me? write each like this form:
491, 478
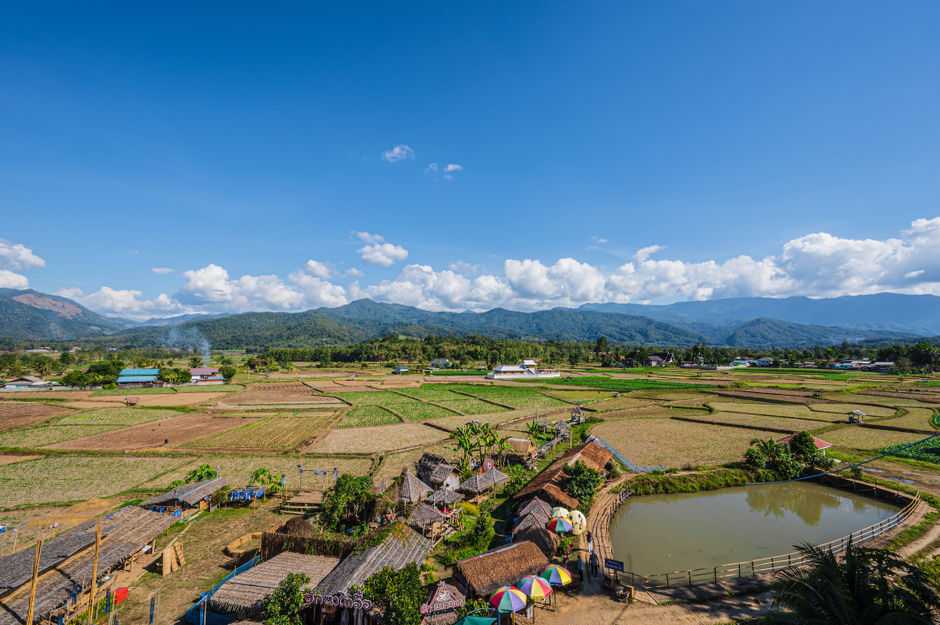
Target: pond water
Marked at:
660, 533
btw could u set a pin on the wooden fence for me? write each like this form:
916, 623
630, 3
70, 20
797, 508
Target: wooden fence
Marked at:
735, 570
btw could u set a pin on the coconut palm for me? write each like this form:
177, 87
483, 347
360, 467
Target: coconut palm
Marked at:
864, 586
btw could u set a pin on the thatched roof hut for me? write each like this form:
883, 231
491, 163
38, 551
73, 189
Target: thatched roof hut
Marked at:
401, 546
545, 539
534, 505
480, 575
443, 604
445, 496
412, 489
533, 519
243, 594
522, 447
189, 494
547, 485
434, 470
424, 515
482, 482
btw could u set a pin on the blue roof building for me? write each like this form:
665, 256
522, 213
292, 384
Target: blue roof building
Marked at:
133, 378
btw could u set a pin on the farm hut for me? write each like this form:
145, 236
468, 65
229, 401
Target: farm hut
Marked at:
445, 496
535, 505
205, 375
543, 538
401, 546
400, 370
68, 559
243, 594
562, 429
547, 485
436, 472
440, 363
442, 605
412, 490
520, 450
820, 444
482, 482
187, 495
138, 378
504, 566
426, 519
28, 382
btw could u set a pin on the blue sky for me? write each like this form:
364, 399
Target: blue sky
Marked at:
621, 151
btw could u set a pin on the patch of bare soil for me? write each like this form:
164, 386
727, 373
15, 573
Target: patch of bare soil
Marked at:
154, 435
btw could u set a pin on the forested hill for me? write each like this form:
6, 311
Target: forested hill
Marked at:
31, 315
366, 319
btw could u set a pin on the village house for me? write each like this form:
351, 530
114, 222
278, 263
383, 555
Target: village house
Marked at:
476, 486
442, 605
520, 451
412, 490
138, 378
24, 382
821, 445
440, 363
185, 497
659, 359
436, 472
206, 375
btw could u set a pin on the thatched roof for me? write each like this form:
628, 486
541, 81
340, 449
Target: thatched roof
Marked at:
298, 526
547, 484
401, 546
533, 519
521, 446
534, 505
412, 490
190, 494
440, 473
545, 539
423, 515
482, 482
244, 593
445, 496
127, 531
427, 463
443, 603
504, 566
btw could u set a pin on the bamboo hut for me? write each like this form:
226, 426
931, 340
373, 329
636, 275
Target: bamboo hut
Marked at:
187, 495
521, 450
426, 519
435, 471
243, 594
412, 490
445, 497
533, 519
535, 505
480, 575
478, 485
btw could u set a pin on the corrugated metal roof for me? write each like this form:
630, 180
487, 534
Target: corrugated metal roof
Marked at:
129, 379
140, 372
204, 371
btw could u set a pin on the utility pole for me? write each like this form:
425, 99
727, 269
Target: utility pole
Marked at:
32, 584
94, 575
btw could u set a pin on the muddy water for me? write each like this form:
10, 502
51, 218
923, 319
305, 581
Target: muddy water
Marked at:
660, 533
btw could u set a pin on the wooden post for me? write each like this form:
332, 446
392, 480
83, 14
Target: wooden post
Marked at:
32, 584
94, 574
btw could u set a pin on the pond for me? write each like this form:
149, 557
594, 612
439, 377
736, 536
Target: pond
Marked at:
660, 533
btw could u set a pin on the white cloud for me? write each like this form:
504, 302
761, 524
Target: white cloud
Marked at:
318, 269
460, 266
453, 167
72, 292
432, 168
18, 256
644, 252
161, 271
368, 237
127, 303
12, 280
383, 254
398, 153
355, 273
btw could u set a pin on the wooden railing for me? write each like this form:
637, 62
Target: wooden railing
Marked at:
748, 568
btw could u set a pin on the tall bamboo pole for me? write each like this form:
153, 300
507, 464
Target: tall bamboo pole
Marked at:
32, 584
94, 575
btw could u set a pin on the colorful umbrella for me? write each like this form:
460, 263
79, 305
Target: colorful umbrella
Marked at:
559, 526
578, 522
534, 587
556, 575
559, 512
508, 599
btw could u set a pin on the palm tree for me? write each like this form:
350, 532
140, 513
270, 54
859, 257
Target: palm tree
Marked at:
463, 442
768, 448
866, 586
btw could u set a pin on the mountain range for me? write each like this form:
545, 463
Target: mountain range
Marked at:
741, 322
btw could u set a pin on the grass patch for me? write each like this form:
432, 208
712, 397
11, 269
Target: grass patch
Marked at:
616, 384
360, 416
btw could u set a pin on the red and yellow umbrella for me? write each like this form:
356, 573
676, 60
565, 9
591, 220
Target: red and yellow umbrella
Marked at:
559, 525
534, 587
556, 575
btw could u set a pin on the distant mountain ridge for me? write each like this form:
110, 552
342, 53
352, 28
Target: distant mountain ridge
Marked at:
31, 315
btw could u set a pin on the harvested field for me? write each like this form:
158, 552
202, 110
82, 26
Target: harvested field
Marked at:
789, 424
17, 413
622, 403
868, 438
14, 458
360, 416
43, 435
916, 418
845, 409
273, 434
515, 396
237, 469
493, 418
378, 439
69, 478
579, 396
117, 416
275, 393
75, 514
785, 410
151, 436
869, 400
676, 443
44, 395
410, 409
